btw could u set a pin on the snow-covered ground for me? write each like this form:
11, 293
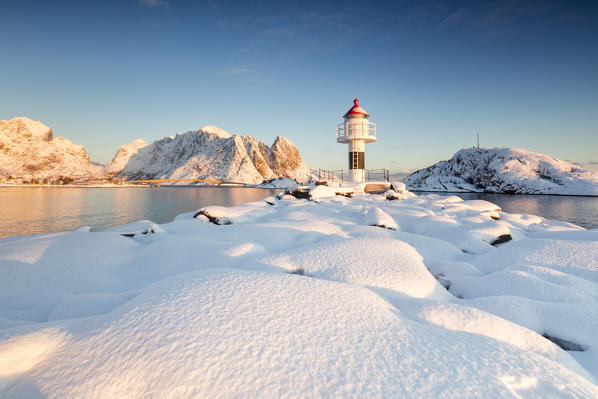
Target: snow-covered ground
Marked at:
286, 297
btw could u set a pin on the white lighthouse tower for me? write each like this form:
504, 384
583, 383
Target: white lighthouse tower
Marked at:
356, 131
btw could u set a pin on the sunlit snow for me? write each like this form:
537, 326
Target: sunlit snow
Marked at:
386, 295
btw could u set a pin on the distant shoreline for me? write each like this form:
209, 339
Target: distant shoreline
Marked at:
92, 185
489, 192
110, 185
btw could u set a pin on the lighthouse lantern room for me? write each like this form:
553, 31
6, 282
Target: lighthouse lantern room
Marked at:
356, 130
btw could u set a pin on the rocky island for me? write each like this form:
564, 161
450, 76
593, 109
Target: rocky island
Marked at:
504, 170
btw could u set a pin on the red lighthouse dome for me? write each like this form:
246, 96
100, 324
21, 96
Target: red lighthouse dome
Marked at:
356, 111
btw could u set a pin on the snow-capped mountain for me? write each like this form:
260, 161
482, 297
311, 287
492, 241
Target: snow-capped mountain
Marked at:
504, 170
123, 155
212, 153
29, 150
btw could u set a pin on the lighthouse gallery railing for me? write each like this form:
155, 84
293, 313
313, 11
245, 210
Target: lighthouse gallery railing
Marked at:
357, 131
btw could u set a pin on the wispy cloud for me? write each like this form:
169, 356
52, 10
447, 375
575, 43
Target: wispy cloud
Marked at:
399, 174
501, 18
153, 3
235, 71
429, 144
592, 164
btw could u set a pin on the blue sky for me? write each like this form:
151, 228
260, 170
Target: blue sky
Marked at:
431, 74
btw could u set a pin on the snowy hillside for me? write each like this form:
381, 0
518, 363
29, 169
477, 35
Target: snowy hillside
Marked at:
122, 156
28, 150
375, 296
212, 153
504, 170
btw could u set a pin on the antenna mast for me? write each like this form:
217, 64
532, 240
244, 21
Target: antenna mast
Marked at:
478, 136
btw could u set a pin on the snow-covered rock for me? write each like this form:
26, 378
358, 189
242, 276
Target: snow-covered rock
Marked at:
122, 156
375, 216
504, 170
211, 153
29, 150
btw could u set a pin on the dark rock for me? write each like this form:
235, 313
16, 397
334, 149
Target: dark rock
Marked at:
131, 235
443, 281
383, 226
299, 192
376, 188
212, 219
501, 239
564, 344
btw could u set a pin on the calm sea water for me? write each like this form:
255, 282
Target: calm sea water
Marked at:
28, 210
582, 211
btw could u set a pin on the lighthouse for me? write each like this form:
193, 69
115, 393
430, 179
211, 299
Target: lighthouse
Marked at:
356, 130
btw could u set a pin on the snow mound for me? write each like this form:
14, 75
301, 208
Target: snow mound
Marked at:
382, 263
576, 258
244, 213
195, 335
375, 216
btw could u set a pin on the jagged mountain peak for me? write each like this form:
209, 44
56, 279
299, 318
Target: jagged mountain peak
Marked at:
212, 153
29, 150
23, 125
215, 130
122, 156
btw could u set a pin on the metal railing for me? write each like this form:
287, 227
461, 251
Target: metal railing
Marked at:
341, 176
331, 175
357, 131
377, 174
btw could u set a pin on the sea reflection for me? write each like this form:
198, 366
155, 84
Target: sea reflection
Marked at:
28, 210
